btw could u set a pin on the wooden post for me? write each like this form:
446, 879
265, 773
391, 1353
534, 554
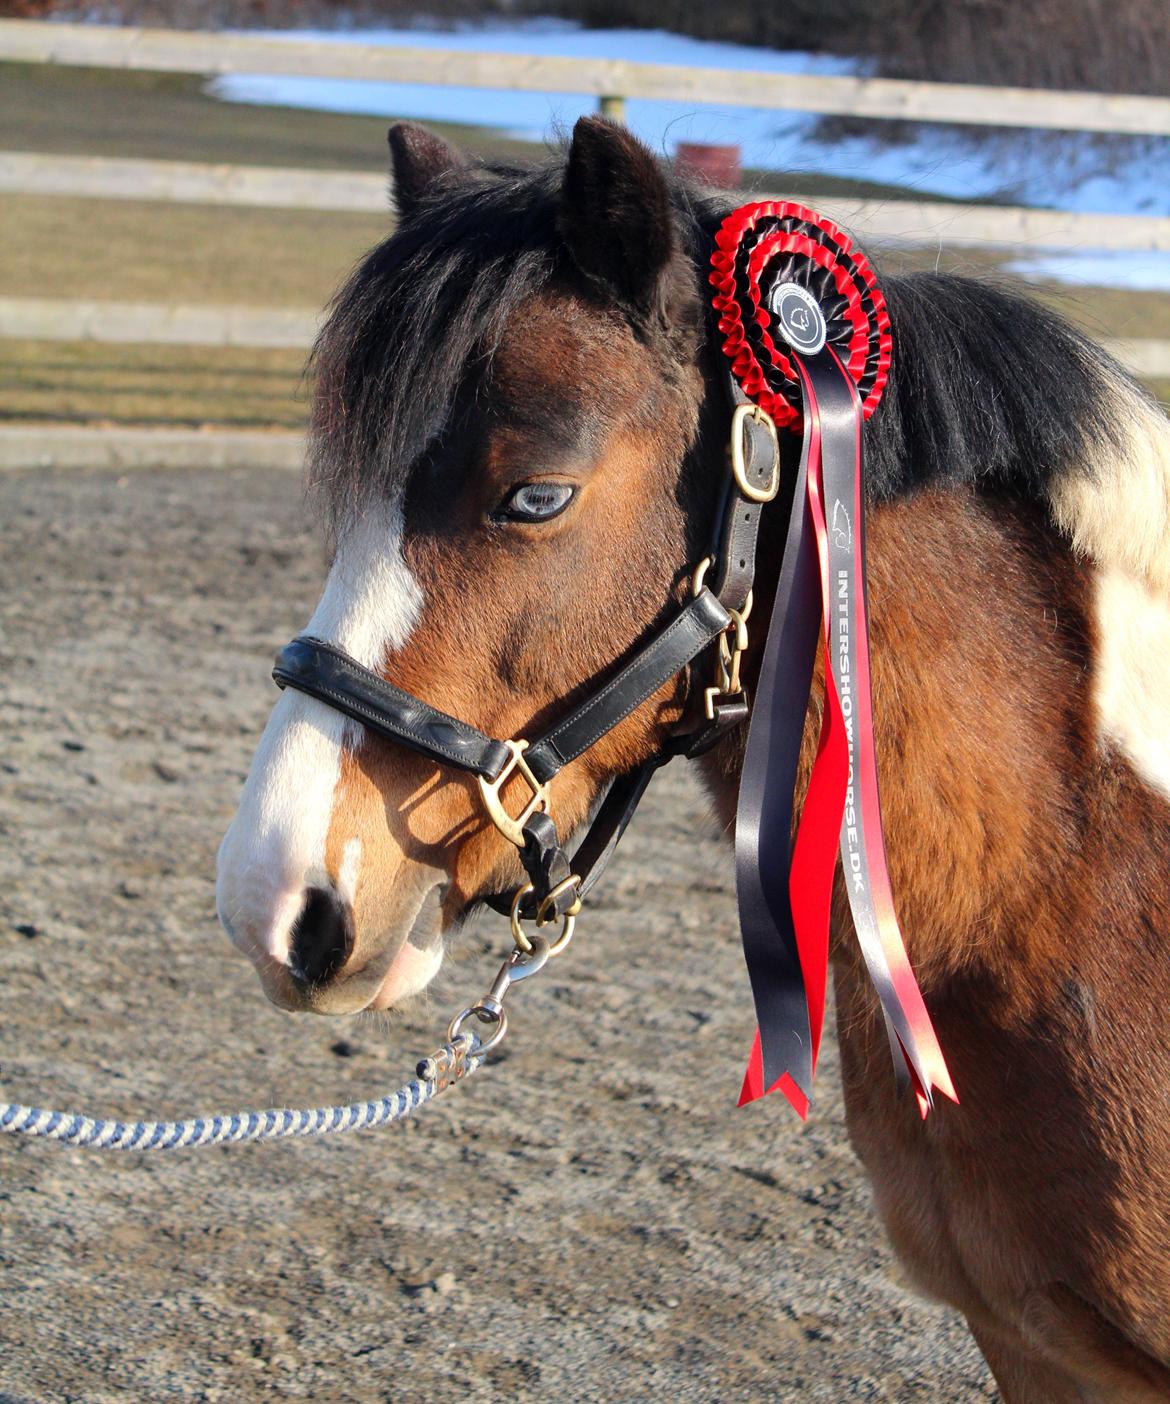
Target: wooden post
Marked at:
612, 107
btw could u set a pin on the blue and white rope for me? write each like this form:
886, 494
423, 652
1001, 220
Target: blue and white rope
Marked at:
273, 1125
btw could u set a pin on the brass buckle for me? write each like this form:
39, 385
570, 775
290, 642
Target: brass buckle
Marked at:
728, 682
738, 457
489, 792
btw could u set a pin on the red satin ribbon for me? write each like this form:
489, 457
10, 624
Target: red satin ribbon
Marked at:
820, 833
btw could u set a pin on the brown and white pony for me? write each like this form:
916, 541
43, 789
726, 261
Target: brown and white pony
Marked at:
519, 435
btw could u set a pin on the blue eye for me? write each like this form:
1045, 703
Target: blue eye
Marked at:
534, 502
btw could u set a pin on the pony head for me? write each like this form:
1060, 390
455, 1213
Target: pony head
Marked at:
507, 439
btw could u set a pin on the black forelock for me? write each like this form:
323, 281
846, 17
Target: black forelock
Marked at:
987, 387
413, 319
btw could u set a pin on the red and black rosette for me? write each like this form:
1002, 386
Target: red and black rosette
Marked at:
760, 246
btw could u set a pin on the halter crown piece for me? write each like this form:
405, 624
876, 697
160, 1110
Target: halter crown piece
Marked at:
806, 334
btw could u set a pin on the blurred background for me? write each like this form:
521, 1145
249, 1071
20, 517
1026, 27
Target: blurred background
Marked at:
592, 1219
138, 292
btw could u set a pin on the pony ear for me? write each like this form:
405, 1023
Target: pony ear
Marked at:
417, 158
615, 214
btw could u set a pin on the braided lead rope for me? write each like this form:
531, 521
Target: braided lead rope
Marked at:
459, 1057
449, 1064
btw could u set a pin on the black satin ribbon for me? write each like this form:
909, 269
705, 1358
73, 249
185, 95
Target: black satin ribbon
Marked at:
764, 815
917, 1057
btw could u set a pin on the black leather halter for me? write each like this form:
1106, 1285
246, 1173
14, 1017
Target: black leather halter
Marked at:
714, 615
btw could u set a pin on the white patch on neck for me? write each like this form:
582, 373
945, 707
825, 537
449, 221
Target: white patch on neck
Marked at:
1132, 675
275, 847
1117, 508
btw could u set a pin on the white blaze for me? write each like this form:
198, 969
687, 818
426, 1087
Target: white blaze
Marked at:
275, 847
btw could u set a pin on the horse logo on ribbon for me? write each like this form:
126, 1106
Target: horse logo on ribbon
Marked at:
842, 528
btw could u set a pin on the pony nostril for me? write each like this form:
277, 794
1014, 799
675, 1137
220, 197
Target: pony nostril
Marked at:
322, 937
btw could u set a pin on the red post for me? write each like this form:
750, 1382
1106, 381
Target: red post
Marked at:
713, 165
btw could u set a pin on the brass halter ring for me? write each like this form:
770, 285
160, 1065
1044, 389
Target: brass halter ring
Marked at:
489, 791
568, 920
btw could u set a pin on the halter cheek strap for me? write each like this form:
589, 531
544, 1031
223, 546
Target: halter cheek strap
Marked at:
696, 626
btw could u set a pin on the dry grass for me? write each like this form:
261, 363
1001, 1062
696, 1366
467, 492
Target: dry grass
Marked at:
56, 246
88, 383
167, 116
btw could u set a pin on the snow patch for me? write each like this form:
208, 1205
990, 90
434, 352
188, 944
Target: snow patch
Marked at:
1123, 176
1139, 270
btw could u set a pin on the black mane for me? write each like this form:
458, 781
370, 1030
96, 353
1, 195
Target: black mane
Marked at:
988, 388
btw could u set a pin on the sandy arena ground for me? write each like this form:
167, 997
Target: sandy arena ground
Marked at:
589, 1219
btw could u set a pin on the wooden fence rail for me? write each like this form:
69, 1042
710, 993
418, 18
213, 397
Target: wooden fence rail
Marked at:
195, 182
611, 80
156, 323
293, 328
909, 222
120, 448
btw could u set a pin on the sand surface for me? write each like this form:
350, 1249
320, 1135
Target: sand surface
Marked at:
589, 1219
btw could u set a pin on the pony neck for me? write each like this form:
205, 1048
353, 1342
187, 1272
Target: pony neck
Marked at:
975, 705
